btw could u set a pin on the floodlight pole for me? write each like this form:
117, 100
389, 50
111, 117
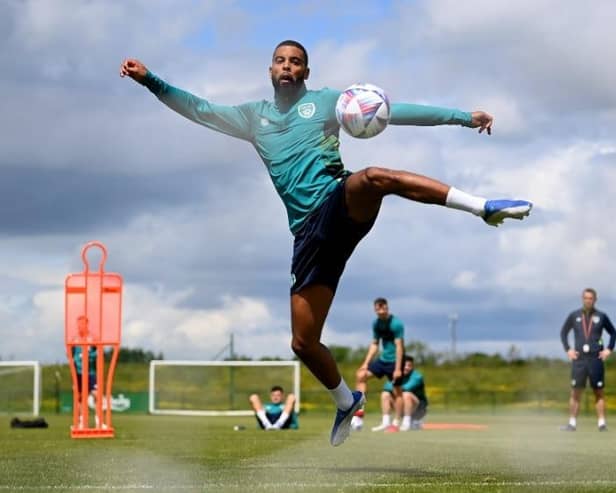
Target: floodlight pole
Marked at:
453, 320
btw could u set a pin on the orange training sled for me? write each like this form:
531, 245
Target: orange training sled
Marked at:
93, 313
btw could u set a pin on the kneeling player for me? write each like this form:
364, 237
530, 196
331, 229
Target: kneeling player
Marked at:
413, 397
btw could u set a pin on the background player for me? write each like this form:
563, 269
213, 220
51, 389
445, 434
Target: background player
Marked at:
83, 336
587, 355
278, 414
388, 330
413, 397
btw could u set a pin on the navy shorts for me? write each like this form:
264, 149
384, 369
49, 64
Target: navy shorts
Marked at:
587, 368
420, 411
325, 243
91, 382
380, 369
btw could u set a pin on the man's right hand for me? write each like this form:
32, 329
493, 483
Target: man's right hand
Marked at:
573, 354
134, 69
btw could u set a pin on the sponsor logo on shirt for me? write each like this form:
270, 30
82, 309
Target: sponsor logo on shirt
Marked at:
306, 110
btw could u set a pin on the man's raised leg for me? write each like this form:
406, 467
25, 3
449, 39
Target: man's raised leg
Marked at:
309, 308
366, 188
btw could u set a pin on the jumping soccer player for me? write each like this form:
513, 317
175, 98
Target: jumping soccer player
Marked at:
587, 355
329, 209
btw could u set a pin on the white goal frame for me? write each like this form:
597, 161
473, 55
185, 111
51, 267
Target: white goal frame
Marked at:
36, 384
185, 412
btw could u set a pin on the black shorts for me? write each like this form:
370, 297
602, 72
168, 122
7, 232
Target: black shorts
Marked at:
273, 417
380, 369
325, 242
91, 382
420, 411
587, 368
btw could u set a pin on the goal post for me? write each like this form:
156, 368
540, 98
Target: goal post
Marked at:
217, 388
20, 387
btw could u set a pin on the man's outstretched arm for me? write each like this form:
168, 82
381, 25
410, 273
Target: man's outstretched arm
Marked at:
421, 115
231, 120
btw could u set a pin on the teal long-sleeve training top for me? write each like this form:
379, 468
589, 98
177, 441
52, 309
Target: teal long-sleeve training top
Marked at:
298, 141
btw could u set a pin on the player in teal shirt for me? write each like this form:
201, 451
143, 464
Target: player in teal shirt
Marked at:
387, 330
77, 354
413, 396
329, 209
278, 414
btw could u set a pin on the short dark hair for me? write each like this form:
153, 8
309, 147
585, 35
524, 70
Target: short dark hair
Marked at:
276, 388
591, 291
380, 301
297, 44
408, 357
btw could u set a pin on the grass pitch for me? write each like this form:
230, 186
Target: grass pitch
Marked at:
188, 454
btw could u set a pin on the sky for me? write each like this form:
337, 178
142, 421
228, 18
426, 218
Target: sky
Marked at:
190, 218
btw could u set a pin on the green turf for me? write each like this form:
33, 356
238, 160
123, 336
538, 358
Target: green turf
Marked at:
167, 454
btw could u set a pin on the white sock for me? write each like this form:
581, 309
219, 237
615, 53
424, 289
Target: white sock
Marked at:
457, 199
386, 419
342, 395
281, 420
406, 421
396, 422
573, 421
601, 422
263, 418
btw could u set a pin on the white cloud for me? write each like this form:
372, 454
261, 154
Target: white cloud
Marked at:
218, 261
465, 279
155, 318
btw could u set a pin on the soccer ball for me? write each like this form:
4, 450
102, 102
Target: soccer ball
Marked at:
363, 110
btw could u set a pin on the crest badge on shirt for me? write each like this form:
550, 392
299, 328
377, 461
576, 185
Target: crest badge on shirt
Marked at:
306, 110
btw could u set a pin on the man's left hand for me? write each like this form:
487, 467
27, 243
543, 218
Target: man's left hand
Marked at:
397, 374
603, 355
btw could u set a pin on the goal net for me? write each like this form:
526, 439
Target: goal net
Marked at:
217, 388
20, 387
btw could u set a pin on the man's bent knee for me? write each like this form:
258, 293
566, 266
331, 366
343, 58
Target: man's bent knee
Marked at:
301, 347
379, 179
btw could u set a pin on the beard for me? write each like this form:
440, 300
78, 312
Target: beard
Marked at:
289, 88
